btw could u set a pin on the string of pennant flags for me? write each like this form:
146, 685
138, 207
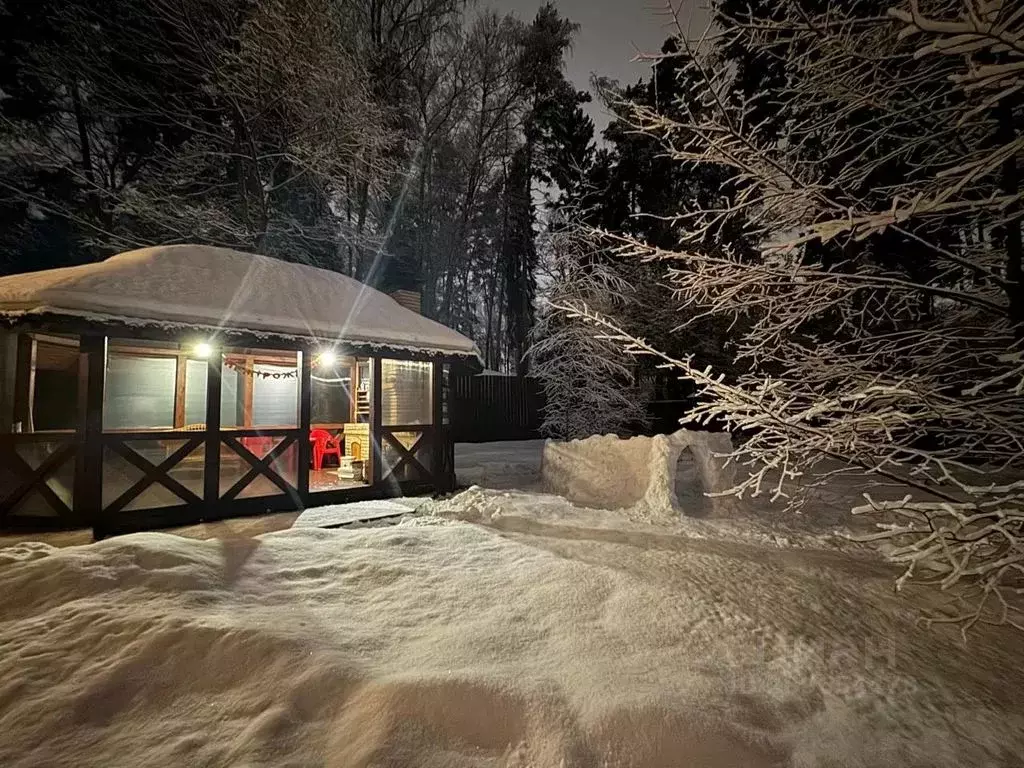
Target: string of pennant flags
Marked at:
263, 374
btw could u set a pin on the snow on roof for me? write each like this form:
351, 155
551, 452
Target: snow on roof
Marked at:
197, 285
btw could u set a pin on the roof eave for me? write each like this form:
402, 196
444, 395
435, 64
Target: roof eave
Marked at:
55, 321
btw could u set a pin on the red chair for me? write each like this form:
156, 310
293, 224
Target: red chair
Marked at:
324, 444
259, 446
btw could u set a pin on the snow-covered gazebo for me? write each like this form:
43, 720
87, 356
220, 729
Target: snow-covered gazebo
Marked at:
180, 383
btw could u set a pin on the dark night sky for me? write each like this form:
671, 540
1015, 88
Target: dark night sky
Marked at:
611, 33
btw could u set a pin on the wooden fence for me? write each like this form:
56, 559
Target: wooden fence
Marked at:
492, 408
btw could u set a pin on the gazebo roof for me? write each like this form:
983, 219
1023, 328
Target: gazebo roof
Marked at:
190, 286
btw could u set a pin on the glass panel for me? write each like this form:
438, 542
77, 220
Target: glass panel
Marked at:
405, 392
390, 456
35, 453
196, 372
9, 480
265, 390
55, 398
195, 391
154, 451
364, 374
231, 405
61, 479
331, 401
260, 446
261, 486
118, 476
275, 396
154, 497
232, 468
190, 472
285, 465
34, 505
139, 392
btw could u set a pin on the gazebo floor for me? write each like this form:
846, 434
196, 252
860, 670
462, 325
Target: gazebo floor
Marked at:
232, 528
328, 480
238, 527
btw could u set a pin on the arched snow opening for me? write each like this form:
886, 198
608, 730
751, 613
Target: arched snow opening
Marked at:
688, 488
605, 472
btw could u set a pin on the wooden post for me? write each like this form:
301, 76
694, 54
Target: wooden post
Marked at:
211, 473
353, 392
180, 369
304, 416
248, 388
25, 382
88, 490
8, 376
437, 468
376, 417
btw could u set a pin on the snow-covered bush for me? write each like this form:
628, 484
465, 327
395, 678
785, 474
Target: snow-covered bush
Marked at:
881, 326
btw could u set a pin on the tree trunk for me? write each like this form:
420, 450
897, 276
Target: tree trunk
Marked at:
83, 134
364, 265
94, 202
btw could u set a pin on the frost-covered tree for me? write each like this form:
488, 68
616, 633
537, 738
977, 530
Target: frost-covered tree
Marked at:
879, 321
588, 384
233, 123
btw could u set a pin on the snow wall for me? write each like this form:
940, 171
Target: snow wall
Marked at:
606, 472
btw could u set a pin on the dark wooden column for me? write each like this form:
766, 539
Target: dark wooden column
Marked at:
353, 392
211, 474
8, 376
88, 490
437, 447
248, 385
376, 419
304, 416
180, 370
25, 382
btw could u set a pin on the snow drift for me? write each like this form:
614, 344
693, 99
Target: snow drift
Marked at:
607, 472
447, 644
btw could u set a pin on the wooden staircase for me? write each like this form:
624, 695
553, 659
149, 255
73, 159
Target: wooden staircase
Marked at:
362, 406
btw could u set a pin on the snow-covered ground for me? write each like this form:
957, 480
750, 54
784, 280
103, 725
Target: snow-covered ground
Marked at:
539, 635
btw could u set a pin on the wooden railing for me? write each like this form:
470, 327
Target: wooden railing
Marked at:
133, 479
139, 469
407, 453
37, 475
267, 452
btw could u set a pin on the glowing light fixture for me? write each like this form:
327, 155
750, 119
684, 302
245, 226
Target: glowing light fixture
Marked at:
203, 349
327, 358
